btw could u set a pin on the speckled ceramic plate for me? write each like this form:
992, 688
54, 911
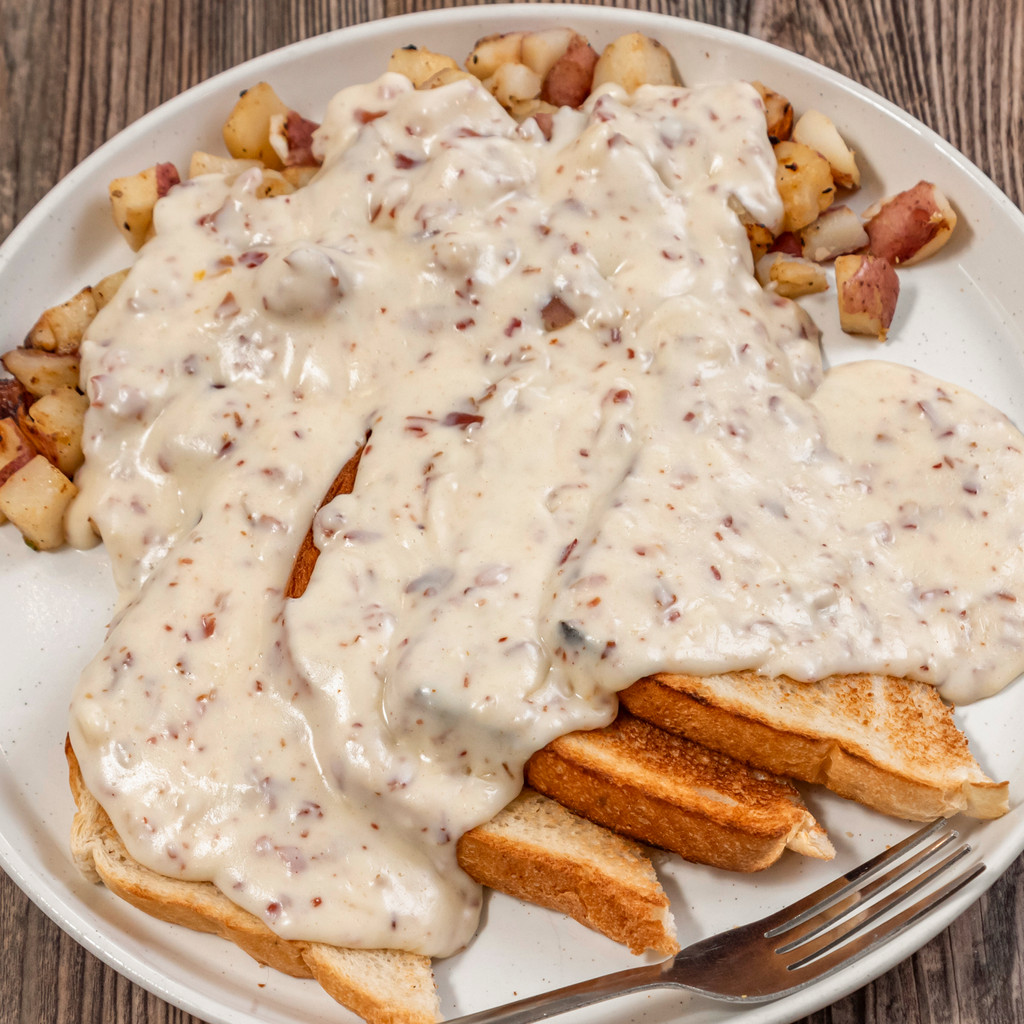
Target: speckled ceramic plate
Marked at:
961, 317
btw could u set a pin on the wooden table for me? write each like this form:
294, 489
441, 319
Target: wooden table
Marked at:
74, 72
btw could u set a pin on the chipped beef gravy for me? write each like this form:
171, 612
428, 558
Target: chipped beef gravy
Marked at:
596, 449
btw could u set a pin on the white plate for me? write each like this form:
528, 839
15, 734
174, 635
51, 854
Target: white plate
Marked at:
961, 316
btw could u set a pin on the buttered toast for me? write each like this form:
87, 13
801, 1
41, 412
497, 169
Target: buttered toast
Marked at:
891, 744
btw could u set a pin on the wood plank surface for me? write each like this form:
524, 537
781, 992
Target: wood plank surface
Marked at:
74, 72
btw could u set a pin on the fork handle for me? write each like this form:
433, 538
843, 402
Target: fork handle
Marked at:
572, 997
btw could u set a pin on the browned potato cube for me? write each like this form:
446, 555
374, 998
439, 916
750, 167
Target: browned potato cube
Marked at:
790, 276
54, 426
418, 63
132, 200
107, 288
15, 451
867, 288
247, 129
445, 77
211, 163
491, 52
633, 60
299, 177
15, 448
778, 113
816, 130
35, 498
274, 183
759, 237
60, 328
805, 184
42, 372
537, 109
513, 83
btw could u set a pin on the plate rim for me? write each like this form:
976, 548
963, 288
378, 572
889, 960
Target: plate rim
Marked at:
70, 917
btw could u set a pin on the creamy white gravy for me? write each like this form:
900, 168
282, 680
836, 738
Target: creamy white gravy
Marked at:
541, 515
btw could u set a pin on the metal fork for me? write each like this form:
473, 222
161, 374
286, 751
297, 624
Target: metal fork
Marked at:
791, 949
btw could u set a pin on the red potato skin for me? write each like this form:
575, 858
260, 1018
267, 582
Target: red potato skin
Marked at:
13, 399
568, 82
166, 178
299, 133
904, 225
873, 288
787, 243
545, 122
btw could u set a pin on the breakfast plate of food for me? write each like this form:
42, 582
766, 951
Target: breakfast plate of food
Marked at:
473, 370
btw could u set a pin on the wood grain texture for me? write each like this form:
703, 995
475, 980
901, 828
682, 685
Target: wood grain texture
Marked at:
74, 72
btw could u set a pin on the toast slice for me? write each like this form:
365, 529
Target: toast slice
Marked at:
383, 986
534, 850
665, 790
891, 744
538, 851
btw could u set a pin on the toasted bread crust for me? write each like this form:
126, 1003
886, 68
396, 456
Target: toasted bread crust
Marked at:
891, 744
308, 553
381, 985
665, 790
538, 851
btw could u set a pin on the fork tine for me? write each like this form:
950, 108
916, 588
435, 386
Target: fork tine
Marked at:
845, 952
843, 886
835, 931
836, 913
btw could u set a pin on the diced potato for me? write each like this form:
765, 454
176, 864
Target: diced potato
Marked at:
569, 81
778, 113
418, 63
41, 372
536, 109
35, 498
107, 288
911, 226
13, 397
540, 50
54, 426
804, 179
15, 448
445, 77
247, 129
60, 328
132, 200
273, 183
633, 60
816, 130
291, 135
867, 288
513, 83
211, 163
790, 276
759, 237
836, 232
299, 177
491, 52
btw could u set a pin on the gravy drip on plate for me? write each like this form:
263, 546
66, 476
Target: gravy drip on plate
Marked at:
596, 449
